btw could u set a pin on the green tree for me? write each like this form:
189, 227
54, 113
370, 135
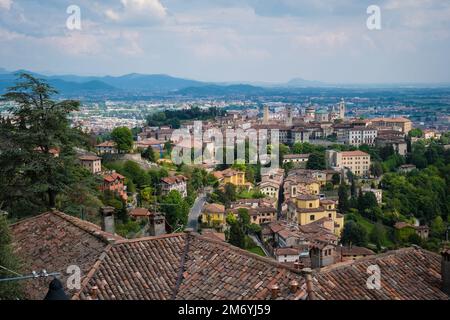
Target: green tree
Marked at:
37, 147
386, 152
305, 147
376, 169
228, 195
366, 200
9, 290
123, 137
237, 236
150, 154
336, 178
376, 235
414, 238
133, 171
284, 150
343, 204
416, 132
255, 228
244, 218
316, 161
354, 233
147, 195
437, 227
175, 209
198, 179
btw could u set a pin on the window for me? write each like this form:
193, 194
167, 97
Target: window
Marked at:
310, 205
312, 217
329, 215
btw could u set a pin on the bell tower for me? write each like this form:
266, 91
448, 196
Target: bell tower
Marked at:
266, 115
342, 109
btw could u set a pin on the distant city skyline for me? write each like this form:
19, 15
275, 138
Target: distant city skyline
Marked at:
271, 41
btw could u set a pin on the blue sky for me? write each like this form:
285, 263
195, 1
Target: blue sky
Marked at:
231, 40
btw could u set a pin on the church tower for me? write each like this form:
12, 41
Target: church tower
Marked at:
342, 109
266, 115
289, 116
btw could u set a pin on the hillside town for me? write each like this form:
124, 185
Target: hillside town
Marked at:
345, 193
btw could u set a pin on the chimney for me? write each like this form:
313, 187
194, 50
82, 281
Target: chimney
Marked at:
274, 290
309, 285
93, 294
107, 214
445, 270
293, 286
298, 265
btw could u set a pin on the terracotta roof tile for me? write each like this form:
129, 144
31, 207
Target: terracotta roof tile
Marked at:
406, 274
149, 269
54, 241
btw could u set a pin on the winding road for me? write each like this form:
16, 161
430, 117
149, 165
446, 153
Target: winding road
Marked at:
196, 211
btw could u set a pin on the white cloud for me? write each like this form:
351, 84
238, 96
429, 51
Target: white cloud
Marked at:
138, 12
5, 4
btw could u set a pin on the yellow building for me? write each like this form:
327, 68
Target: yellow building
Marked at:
232, 176
304, 209
402, 124
270, 188
258, 215
304, 186
213, 215
358, 162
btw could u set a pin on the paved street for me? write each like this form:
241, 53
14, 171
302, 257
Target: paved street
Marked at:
259, 244
195, 212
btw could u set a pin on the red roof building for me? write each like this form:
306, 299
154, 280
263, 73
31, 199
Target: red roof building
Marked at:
114, 182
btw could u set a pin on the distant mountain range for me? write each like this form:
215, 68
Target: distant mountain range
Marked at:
151, 84
161, 84
72, 84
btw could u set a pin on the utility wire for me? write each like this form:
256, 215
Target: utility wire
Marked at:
11, 271
33, 275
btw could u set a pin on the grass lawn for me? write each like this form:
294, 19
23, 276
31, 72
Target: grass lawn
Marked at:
369, 225
257, 250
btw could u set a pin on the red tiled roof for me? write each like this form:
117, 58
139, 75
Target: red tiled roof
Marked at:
106, 144
89, 158
356, 153
53, 241
354, 251
174, 179
296, 156
113, 177
399, 119
406, 274
213, 208
139, 212
306, 197
150, 142
286, 251
208, 233
154, 268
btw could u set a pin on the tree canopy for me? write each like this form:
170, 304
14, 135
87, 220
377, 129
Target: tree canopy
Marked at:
123, 137
37, 147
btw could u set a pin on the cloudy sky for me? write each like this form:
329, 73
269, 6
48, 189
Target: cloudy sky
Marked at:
231, 40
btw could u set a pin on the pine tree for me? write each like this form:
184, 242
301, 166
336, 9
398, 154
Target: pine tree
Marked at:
343, 204
237, 235
37, 148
